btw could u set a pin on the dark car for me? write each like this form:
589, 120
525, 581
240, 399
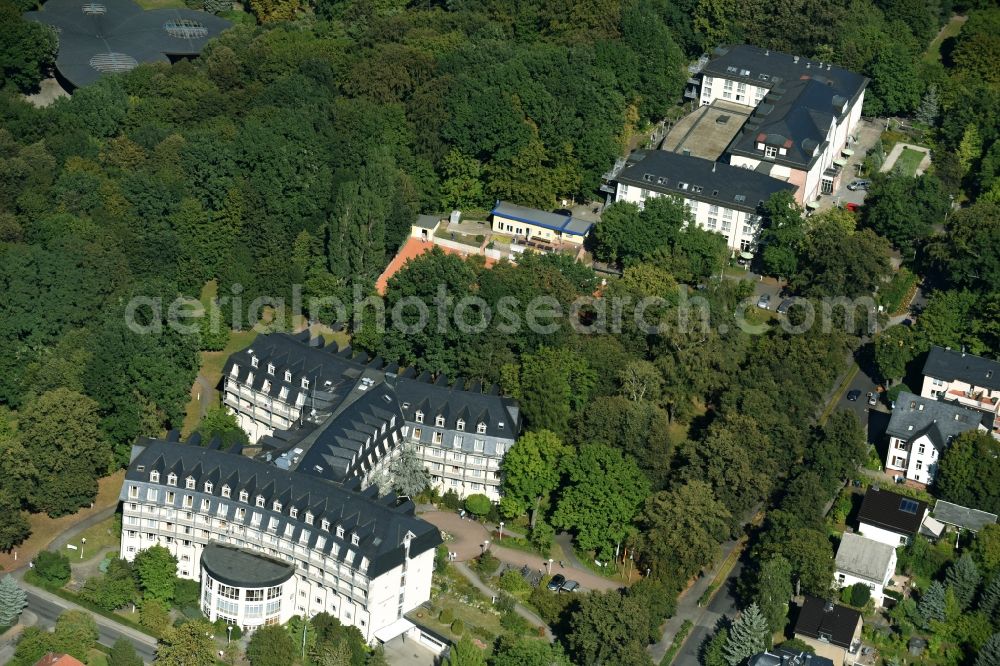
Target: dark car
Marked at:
853, 395
570, 586
785, 306
859, 184
556, 582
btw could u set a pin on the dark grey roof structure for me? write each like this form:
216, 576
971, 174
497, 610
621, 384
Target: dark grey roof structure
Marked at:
892, 512
555, 221
950, 365
350, 397
380, 527
702, 180
914, 416
108, 36
243, 568
827, 621
804, 97
964, 517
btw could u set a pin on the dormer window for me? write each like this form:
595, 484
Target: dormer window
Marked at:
270, 368
293, 512
340, 532
189, 483
481, 428
325, 524
266, 388
288, 376
460, 425
439, 421
276, 506
770, 151
418, 416
226, 491
355, 539
283, 393
171, 479
260, 500
305, 383
309, 518
154, 476
208, 486
254, 361
244, 496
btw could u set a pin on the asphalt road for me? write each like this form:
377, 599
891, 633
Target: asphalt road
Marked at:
722, 605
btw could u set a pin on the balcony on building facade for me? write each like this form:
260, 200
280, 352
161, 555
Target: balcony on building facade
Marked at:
975, 398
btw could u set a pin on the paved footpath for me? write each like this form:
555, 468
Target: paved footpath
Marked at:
469, 537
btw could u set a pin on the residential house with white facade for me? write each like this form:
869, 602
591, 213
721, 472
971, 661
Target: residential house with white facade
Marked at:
863, 560
337, 414
962, 378
805, 113
890, 518
268, 543
919, 431
532, 225
722, 198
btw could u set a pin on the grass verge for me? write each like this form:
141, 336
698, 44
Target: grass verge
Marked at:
675, 645
908, 161
74, 598
99, 536
951, 29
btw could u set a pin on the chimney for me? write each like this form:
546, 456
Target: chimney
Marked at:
828, 607
829, 67
713, 166
767, 52
795, 59
808, 65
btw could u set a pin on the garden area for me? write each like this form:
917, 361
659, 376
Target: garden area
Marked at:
908, 161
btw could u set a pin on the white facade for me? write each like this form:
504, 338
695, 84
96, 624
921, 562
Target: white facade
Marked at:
747, 94
185, 520
870, 572
882, 535
740, 228
963, 393
246, 607
916, 461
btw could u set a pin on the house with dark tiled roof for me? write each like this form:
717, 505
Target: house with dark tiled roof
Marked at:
920, 429
268, 543
890, 518
805, 112
337, 414
832, 630
962, 378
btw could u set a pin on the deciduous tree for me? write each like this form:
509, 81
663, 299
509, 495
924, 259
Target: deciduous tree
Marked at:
189, 645
271, 646
156, 568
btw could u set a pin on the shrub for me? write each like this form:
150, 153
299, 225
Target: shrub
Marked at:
543, 535
512, 581
480, 238
153, 615
505, 603
451, 500
446, 616
478, 504
441, 558
798, 645
52, 568
458, 627
860, 594
486, 564
186, 592
515, 624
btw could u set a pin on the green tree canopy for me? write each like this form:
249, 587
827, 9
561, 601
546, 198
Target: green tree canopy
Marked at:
271, 646
531, 471
187, 645
969, 472
156, 568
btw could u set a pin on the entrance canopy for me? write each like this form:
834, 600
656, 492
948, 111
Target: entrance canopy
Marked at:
390, 631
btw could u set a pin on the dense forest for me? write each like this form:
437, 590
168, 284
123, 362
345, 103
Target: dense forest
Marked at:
299, 148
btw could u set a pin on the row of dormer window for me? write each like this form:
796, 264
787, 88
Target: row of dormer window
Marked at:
244, 496
418, 416
235, 371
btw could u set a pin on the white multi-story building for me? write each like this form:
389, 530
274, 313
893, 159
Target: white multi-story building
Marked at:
268, 543
805, 113
864, 560
336, 414
971, 381
722, 198
919, 431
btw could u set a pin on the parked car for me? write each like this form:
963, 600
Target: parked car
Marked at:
764, 302
852, 207
556, 582
785, 306
853, 395
570, 586
872, 398
860, 184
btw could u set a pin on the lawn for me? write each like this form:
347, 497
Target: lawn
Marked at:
933, 52
97, 658
161, 4
459, 237
103, 535
908, 161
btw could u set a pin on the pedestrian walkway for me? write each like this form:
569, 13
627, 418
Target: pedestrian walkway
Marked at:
490, 592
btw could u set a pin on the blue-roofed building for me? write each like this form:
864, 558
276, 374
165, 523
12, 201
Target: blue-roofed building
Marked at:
531, 224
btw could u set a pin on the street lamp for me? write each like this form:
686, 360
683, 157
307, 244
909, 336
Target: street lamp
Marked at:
501, 531
229, 633
486, 545
549, 565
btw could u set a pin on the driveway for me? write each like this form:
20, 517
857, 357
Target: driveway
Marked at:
469, 537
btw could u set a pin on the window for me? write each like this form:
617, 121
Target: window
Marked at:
355, 539
208, 486
293, 512
305, 383
499, 449
244, 496
254, 361
437, 438
325, 524
457, 442
460, 425
481, 428
189, 483
479, 445
712, 223
226, 492
171, 479
288, 376
234, 371
770, 151
416, 434
418, 416
154, 476
340, 532
270, 368
727, 225
309, 518
439, 421
276, 506
747, 231
151, 494
919, 465
920, 449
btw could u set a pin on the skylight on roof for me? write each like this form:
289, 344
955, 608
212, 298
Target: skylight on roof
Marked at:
740, 197
908, 506
185, 29
94, 9
113, 62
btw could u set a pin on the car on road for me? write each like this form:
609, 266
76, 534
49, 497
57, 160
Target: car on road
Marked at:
872, 398
570, 586
764, 302
859, 184
853, 395
556, 582
785, 306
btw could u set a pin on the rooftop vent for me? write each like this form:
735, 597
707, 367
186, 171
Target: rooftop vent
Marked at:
185, 29
828, 607
94, 9
921, 408
113, 62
